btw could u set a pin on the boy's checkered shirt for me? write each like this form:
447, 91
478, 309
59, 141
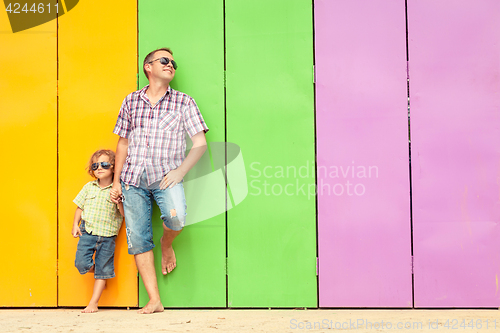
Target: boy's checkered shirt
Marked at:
100, 214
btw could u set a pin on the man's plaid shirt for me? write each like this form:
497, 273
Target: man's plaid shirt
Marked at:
156, 133
101, 215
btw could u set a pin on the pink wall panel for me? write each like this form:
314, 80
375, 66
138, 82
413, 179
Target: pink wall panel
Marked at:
454, 49
364, 216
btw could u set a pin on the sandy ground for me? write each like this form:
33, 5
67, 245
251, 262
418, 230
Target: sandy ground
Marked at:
314, 320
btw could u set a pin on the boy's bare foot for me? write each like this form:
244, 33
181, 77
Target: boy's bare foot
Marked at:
91, 308
167, 258
151, 307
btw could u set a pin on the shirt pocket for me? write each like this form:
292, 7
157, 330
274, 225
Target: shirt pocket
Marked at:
90, 197
110, 203
169, 121
90, 200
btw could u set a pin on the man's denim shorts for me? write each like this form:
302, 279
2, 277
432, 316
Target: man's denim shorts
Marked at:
104, 248
137, 204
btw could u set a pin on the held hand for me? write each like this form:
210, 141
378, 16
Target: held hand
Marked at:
172, 178
116, 193
113, 194
76, 231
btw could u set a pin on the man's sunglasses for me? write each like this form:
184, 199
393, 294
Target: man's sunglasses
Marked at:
165, 61
104, 165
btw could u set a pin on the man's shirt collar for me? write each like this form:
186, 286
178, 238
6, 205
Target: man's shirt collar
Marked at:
144, 96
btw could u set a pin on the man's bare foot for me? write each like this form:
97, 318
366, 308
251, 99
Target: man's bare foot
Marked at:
91, 308
167, 258
151, 307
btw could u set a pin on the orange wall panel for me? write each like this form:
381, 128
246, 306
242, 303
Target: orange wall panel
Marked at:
97, 69
28, 144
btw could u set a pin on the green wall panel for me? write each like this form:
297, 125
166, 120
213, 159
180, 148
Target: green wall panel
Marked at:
194, 31
270, 115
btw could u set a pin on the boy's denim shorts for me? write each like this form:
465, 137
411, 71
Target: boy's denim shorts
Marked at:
137, 205
104, 248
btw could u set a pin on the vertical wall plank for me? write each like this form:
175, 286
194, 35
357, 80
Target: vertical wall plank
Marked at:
97, 69
454, 97
194, 32
362, 152
28, 129
270, 115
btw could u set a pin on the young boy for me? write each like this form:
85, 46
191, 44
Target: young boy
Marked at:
101, 220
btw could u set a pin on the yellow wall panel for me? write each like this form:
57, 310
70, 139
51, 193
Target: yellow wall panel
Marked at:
97, 69
28, 144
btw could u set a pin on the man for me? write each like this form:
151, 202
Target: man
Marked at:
150, 163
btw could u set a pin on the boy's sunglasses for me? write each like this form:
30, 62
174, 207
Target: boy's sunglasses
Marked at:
165, 61
105, 165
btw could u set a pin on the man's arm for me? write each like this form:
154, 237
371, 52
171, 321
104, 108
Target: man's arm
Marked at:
120, 156
175, 176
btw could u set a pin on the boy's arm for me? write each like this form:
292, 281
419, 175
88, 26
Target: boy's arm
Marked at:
120, 208
121, 155
175, 176
76, 221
